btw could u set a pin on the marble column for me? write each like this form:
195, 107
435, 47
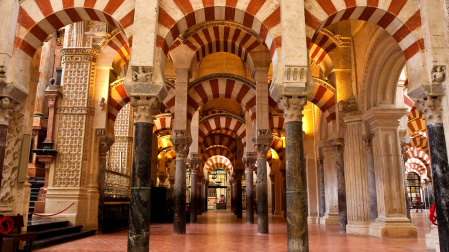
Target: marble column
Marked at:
249, 161
194, 169
233, 194
371, 177
273, 193
432, 108
356, 176
181, 143
404, 159
238, 192
262, 145
204, 195
330, 185
283, 193
338, 147
105, 144
322, 190
199, 200
392, 218
297, 230
139, 208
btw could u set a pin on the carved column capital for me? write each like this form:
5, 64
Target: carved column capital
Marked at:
431, 107
181, 143
292, 107
262, 143
7, 107
145, 108
2, 75
338, 146
104, 145
194, 162
250, 160
368, 144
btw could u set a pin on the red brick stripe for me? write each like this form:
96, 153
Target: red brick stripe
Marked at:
396, 6
327, 6
45, 7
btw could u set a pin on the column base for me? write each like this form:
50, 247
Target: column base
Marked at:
278, 212
313, 220
432, 239
393, 227
330, 219
358, 227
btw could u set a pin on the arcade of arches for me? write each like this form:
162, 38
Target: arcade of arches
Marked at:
325, 112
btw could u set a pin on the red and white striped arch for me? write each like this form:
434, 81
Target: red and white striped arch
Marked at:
415, 168
419, 142
416, 124
40, 18
262, 16
323, 96
416, 164
320, 46
402, 19
216, 162
223, 121
163, 122
277, 144
164, 143
219, 139
118, 98
118, 43
218, 151
201, 92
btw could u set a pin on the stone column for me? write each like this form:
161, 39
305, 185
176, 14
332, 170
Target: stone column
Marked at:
297, 230
356, 176
238, 192
371, 177
199, 208
273, 193
321, 181
181, 143
103, 148
392, 220
139, 209
283, 193
233, 193
204, 195
46, 68
403, 160
432, 109
262, 145
194, 169
330, 185
338, 147
249, 161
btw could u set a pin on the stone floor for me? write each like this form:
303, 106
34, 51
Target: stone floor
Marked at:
222, 231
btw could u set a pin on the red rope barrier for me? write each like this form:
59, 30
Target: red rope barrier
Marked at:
433, 215
9, 224
48, 215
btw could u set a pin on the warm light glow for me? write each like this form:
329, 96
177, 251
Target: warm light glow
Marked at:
307, 123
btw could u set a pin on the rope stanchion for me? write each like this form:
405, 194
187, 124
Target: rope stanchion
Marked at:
48, 215
9, 224
433, 216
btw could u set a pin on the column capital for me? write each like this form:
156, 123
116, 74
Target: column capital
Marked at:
262, 142
249, 160
338, 146
52, 93
368, 144
145, 108
194, 162
181, 142
383, 117
105, 144
7, 107
432, 109
292, 107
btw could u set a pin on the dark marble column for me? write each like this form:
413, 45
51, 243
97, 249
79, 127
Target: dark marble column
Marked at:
139, 208
238, 192
204, 195
371, 178
337, 145
3, 138
283, 193
103, 147
273, 193
321, 186
432, 108
403, 160
262, 145
233, 194
249, 161
194, 169
199, 201
296, 180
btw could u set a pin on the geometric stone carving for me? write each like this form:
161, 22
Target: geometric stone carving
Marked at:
292, 107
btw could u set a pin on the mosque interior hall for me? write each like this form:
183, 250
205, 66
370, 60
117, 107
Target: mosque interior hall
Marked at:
224, 125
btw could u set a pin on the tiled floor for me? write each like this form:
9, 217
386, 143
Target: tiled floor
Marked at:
222, 231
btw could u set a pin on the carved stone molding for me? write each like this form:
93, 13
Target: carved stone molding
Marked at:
431, 107
262, 143
194, 162
145, 108
142, 73
338, 147
181, 143
2, 75
295, 74
249, 160
292, 107
368, 144
104, 146
438, 75
79, 54
7, 107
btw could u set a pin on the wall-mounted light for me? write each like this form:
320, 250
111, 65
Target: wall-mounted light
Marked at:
101, 103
